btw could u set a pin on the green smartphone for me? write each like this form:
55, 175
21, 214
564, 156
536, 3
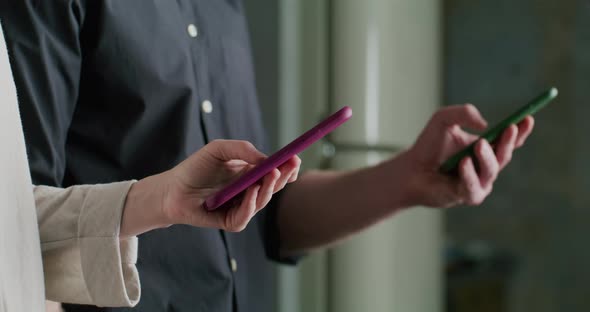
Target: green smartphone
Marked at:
532, 107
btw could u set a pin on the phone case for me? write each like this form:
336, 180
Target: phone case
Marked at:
283, 155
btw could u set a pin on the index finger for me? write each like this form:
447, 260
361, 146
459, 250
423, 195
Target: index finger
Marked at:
463, 115
225, 150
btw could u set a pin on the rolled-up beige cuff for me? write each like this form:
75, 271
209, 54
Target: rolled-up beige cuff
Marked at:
108, 262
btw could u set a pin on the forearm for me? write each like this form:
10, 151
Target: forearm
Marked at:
325, 207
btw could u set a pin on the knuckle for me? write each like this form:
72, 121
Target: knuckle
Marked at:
448, 116
211, 146
440, 114
457, 136
238, 227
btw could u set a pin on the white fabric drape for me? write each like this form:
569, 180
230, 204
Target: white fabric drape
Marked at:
70, 234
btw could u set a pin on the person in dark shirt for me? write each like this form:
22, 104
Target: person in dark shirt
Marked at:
114, 90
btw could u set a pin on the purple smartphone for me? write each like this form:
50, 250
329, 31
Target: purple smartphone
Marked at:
278, 158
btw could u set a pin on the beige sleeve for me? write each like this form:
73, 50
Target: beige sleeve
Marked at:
84, 260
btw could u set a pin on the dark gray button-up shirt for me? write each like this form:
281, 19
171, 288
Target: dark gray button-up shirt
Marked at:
120, 89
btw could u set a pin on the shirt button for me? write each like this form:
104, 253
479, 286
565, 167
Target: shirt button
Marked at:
234, 264
192, 30
207, 107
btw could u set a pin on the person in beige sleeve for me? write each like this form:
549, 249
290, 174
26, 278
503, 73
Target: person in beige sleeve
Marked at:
79, 244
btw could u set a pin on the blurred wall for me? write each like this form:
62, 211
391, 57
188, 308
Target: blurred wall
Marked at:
263, 23
499, 54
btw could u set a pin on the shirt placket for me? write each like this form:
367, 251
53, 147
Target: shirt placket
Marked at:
207, 117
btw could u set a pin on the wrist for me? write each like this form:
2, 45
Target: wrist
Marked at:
395, 182
144, 210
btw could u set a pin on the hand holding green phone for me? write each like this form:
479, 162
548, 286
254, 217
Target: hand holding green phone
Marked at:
529, 109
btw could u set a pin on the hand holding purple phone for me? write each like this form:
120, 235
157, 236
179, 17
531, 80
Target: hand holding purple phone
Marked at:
179, 194
279, 158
